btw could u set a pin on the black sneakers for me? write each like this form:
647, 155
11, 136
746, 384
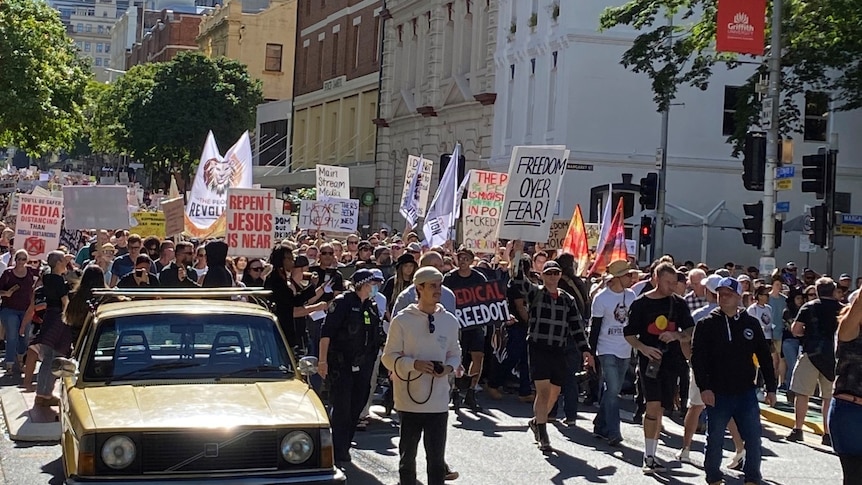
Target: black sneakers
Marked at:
795, 435
535, 429
651, 466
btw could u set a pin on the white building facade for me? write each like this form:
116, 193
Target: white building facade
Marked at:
560, 82
437, 90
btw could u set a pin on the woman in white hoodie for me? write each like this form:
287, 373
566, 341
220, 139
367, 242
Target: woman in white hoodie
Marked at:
422, 350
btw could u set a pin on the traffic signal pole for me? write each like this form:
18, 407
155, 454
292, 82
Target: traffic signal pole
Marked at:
767, 260
658, 238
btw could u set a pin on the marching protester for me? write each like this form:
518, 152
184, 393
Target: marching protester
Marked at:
140, 275
179, 273
17, 284
721, 358
422, 350
845, 415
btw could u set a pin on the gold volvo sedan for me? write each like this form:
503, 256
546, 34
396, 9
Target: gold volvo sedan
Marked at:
190, 386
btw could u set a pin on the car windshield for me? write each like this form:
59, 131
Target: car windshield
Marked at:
187, 346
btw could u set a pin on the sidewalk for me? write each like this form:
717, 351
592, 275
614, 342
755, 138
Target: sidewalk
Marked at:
783, 415
24, 421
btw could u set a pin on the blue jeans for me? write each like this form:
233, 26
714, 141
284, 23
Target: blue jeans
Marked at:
845, 428
45, 379
607, 422
15, 344
745, 410
516, 357
790, 347
314, 349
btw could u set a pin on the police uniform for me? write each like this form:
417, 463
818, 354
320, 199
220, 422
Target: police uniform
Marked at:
354, 330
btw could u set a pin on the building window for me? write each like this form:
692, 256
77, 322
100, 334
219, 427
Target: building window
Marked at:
89, 28
273, 58
355, 46
816, 116
555, 54
334, 67
320, 60
377, 37
101, 29
107, 62
304, 65
107, 47
100, 47
728, 121
99, 61
86, 47
532, 66
80, 45
79, 28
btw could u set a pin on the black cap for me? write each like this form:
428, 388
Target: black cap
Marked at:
364, 246
405, 259
551, 266
301, 261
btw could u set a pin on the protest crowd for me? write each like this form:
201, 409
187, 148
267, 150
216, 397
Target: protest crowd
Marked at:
446, 325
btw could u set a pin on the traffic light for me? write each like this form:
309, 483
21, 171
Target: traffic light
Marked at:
646, 231
649, 191
754, 161
819, 225
779, 230
814, 168
753, 223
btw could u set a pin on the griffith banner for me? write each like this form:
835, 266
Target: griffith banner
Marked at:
37, 228
481, 304
740, 26
250, 221
216, 175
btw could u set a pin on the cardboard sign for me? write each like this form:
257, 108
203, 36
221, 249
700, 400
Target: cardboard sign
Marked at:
71, 239
594, 232
37, 228
96, 207
282, 227
149, 224
333, 182
7, 186
423, 183
559, 227
631, 247
535, 176
320, 215
349, 215
14, 201
174, 211
481, 304
485, 193
250, 221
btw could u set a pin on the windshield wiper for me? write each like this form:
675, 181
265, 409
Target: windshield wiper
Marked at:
153, 368
256, 369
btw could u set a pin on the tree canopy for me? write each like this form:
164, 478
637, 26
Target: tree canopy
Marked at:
42, 80
822, 51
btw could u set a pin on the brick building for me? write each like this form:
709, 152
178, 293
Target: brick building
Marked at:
173, 32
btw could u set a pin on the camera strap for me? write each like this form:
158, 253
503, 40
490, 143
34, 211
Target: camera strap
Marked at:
411, 379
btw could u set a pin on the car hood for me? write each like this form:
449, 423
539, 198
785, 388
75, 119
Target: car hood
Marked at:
145, 407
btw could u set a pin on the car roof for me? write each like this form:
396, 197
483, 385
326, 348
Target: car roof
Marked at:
187, 306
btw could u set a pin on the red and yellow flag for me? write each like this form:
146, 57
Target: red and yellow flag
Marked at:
614, 247
576, 243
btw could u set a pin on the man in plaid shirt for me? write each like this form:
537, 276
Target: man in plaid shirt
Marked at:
554, 320
696, 296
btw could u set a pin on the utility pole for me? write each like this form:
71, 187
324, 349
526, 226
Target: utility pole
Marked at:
767, 260
831, 171
658, 240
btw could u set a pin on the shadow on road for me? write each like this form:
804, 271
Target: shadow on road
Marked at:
55, 469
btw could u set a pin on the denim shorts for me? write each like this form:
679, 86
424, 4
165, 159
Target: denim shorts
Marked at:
845, 427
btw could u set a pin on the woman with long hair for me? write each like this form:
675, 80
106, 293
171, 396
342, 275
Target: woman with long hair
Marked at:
845, 414
285, 294
79, 303
404, 269
16, 287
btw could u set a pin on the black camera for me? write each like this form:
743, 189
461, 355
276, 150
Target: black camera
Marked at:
584, 376
439, 368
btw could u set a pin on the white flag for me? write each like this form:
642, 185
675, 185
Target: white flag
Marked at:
441, 215
409, 203
607, 217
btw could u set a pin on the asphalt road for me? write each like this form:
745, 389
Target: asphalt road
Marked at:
494, 447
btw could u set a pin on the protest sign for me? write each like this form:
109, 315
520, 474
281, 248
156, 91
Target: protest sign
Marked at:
485, 193
71, 238
282, 226
320, 215
631, 247
535, 176
250, 221
423, 183
149, 224
333, 182
174, 216
594, 231
481, 304
37, 228
7, 186
14, 200
349, 215
96, 207
559, 227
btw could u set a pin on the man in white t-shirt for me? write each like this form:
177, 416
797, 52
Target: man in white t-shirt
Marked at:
610, 314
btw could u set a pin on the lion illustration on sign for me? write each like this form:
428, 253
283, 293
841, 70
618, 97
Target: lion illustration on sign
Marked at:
220, 175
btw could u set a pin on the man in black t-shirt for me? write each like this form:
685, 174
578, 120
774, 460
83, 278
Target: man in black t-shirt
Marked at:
659, 324
472, 338
516, 346
328, 275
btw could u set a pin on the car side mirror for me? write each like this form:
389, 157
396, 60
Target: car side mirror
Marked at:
308, 366
63, 367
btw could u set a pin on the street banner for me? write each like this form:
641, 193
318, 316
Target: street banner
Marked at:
577, 243
174, 220
614, 247
481, 304
250, 215
423, 182
216, 175
333, 182
37, 228
559, 229
149, 224
740, 26
485, 193
320, 215
535, 176
282, 227
441, 215
96, 207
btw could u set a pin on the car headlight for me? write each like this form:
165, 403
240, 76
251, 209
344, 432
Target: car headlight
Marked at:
297, 447
118, 452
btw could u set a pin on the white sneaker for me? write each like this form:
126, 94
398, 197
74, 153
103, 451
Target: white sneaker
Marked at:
737, 461
683, 455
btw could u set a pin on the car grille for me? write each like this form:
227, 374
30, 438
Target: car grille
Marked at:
209, 451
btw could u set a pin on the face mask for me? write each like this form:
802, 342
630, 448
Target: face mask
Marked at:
374, 291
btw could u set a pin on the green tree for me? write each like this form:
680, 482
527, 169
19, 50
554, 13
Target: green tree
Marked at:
822, 50
42, 80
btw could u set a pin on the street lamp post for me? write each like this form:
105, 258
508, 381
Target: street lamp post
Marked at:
111, 73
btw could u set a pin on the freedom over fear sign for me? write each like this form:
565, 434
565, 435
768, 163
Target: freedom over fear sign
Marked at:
535, 176
481, 304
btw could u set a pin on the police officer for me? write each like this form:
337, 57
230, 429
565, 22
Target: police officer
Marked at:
349, 341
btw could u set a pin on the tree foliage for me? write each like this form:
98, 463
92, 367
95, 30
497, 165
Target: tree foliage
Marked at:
822, 51
161, 113
42, 80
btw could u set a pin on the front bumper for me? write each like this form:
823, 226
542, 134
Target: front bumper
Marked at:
334, 477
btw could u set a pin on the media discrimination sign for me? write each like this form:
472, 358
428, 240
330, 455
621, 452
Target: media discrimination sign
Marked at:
481, 304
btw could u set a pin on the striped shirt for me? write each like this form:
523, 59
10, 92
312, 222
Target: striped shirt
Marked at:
694, 302
554, 322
